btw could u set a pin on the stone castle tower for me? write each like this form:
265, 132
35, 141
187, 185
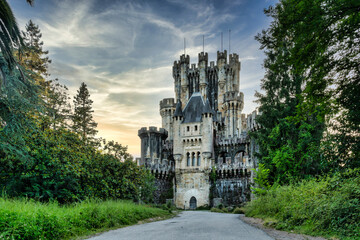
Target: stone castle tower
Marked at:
202, 129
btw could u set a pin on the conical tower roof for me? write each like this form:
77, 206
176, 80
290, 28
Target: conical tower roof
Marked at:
178, 110
207, 108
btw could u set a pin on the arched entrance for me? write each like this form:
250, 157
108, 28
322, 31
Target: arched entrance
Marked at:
192, 203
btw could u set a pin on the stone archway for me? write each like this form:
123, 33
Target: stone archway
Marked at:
193, 203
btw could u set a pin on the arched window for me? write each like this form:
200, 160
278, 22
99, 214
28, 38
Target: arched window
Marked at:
198, 159
188, 159
193, 159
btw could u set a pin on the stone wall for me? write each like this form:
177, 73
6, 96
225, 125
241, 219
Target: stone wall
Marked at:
232, 191
163, 190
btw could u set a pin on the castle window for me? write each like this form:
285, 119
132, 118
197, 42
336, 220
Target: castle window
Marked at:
198, 159
188, 128
195, 127
193, 159
188, 159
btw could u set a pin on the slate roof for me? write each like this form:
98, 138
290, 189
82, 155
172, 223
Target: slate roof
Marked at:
194, 108
178, 111
207, 108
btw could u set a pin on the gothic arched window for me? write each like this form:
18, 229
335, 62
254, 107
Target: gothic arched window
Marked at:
193, 159
188, 159
198, 159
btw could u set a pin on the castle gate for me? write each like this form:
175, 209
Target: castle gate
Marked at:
192, 203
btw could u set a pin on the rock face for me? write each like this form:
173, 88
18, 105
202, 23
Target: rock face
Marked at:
203, 131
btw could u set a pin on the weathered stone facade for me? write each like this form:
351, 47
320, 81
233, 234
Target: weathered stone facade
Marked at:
204, 130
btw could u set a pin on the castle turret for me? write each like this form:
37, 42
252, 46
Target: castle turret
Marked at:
233, 74
167, 109
184, 66
203, 60
178, 145
232, 107
177, 79
207, 128
221, 64
152, 143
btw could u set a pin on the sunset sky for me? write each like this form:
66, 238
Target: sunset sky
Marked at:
124, 51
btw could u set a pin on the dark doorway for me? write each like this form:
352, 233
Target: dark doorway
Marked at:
192, 203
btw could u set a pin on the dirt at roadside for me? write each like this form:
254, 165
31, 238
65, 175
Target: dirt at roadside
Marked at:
277, 234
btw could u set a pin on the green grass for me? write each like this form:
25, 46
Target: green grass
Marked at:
28, 219
329, 206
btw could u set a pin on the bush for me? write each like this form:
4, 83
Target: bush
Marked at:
238, 211
216, 210
58, 165
328, 206
204, 207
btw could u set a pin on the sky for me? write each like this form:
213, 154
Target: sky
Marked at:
124, 51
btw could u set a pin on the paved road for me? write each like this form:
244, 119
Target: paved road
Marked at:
189, 225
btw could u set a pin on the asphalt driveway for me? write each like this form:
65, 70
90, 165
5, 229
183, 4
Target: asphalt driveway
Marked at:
188, 225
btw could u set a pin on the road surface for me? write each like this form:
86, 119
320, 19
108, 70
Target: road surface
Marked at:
197, 225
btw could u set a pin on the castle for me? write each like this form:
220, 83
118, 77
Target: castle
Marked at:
203, 131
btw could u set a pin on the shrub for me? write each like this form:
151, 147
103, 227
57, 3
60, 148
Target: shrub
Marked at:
238, 210
328, 206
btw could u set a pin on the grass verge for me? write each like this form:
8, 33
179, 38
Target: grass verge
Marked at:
28, 219
328, 207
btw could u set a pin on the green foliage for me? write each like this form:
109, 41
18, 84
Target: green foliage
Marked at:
261, 180
27, 219
55, 164
32, 56
10, 37
82, 120
327, 206
310, 113
239, 210
217, 210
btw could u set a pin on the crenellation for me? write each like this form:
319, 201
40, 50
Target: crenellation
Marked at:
203, 57
222, 55
184, 60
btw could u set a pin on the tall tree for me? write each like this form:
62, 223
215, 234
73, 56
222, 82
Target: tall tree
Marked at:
34, 58
82, 118
59, 108
301, 45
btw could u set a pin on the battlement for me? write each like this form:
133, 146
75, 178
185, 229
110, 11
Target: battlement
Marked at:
144, 131
234, 96
232, 141
184, 59
167, 103
233, 58
203, 57
222, 55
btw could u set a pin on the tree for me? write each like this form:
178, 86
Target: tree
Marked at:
325, 48
82, 118
33, 57
59, 109
298, 98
